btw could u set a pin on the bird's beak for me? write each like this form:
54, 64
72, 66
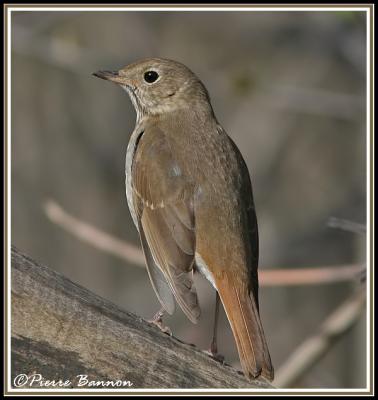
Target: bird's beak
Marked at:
112, 76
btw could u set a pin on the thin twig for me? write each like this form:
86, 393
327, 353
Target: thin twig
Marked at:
310, 276
134, 255
94, 236
346, 225
311, 350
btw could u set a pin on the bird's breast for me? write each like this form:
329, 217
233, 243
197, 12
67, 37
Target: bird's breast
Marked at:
131, 148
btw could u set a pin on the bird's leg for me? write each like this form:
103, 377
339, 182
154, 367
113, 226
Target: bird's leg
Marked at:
213, 346
158, 321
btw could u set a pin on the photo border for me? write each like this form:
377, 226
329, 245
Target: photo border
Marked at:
369, 9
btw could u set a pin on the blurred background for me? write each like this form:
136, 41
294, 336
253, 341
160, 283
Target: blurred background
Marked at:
288, 87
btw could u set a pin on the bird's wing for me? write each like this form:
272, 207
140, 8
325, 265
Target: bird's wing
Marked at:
250, 222
162, 198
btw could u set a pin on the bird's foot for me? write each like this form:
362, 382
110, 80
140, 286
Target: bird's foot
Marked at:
158, 321
213, 352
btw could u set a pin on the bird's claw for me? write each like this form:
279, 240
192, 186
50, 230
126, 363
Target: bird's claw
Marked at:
158, 321
213, 352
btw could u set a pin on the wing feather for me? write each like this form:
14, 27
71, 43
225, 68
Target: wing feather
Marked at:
162, 198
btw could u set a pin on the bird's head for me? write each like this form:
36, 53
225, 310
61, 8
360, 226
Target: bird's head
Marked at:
158, 86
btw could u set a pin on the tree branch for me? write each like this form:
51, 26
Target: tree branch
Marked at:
346, 225
95, 237
312, 349
61, 330
133, 254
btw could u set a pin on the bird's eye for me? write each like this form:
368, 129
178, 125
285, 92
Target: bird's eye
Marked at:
151, 76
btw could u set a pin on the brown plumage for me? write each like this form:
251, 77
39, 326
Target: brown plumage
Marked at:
190, 196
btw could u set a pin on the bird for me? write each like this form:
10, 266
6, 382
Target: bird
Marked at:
190, 196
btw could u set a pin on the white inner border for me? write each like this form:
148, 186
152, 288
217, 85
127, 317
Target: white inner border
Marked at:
368, 162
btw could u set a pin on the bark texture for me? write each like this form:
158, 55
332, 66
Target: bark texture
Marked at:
61, 330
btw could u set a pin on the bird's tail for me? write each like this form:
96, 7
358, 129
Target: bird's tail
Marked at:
243, 315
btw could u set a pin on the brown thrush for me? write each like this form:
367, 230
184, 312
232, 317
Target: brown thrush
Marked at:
190, 196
